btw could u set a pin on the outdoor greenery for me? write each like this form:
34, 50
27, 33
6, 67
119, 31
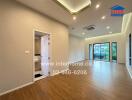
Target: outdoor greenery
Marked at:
101, 51
114, 51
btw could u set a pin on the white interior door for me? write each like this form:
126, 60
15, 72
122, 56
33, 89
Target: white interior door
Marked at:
45, 55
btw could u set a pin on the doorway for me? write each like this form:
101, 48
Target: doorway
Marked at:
41, 55
114, 51
101, 51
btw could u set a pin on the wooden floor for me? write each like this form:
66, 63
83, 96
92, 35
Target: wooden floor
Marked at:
104, 81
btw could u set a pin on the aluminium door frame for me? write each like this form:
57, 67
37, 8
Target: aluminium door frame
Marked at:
109, 51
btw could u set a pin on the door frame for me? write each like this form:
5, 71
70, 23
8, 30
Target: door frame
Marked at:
33, 52
109, 51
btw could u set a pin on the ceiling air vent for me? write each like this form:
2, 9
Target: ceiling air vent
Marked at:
89, 28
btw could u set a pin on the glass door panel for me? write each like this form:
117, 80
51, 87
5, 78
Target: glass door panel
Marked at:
90, 52
105, 52
96, 51
114, 51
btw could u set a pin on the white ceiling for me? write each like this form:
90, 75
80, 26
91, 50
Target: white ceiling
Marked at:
90, 16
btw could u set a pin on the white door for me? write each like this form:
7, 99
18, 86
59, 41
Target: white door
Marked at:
45, 55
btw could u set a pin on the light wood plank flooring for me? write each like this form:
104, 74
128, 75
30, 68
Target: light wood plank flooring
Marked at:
104, 81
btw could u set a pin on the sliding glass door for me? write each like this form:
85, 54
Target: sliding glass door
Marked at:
105, 51
114, 51
102, 51
90, 52
97, 53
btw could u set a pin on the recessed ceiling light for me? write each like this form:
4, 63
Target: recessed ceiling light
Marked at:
103, 17
108, 27
110, 32
97, 6
74, 17
83, 33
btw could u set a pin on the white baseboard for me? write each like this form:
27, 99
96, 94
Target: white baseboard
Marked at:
129, 69
17, 88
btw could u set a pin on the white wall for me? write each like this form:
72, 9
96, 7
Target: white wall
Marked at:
118, 37
17, 25
77, 49
127, 20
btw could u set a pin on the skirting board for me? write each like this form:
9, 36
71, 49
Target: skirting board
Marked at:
17, 88
129, 69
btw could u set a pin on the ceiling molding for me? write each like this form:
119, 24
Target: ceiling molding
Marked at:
71, 12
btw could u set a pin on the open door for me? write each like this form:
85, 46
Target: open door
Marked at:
45, 55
